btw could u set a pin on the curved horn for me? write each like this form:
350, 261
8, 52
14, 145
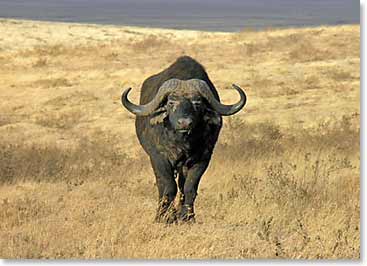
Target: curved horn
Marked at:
222, 109
147, 109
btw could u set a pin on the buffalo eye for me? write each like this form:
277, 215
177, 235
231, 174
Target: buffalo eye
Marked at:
171, 103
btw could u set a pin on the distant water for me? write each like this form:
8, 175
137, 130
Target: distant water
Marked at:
212, 15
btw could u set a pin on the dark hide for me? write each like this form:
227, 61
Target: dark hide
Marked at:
172, 153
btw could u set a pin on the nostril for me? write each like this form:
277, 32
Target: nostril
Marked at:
184, 122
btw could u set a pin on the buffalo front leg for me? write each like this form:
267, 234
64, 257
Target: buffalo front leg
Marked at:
182, 173
190, 190
167, 189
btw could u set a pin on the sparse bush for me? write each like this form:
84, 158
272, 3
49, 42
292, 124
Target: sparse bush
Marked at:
251, 49
311, 82
250, 140
281, 43
150, 43
339, 74
53, 83
50, 50
4, 120
41, 62
263, 85
307, 52
87, 159
60, 120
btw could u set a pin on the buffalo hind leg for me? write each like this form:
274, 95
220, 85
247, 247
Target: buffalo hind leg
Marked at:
167, 189
190, 190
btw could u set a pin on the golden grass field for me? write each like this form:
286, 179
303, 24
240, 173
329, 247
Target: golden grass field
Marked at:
284, 180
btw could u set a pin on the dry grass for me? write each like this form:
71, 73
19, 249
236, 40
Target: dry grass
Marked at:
284, 179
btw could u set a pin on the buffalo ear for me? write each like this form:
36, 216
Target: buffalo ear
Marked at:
212, 117
158, 116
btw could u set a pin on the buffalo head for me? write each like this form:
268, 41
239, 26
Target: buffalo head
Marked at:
184, 103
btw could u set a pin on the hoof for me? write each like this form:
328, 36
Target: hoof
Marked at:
187, 214
166, 213
166, 219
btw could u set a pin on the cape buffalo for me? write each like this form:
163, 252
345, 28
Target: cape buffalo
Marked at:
178, 123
